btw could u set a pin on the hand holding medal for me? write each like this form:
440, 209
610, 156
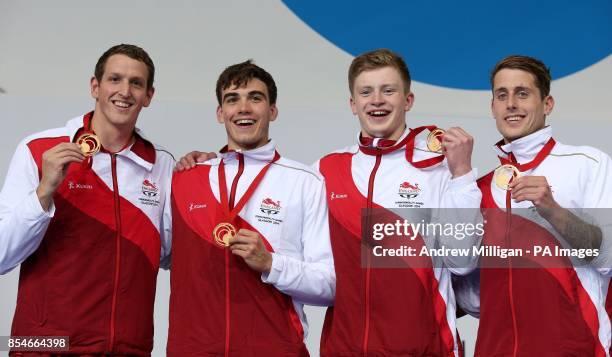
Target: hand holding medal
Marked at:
55, 162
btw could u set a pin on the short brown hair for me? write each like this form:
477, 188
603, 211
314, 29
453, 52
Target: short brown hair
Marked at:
376, 59
133, 52
527, 64
240, 74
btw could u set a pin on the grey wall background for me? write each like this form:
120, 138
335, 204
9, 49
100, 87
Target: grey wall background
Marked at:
48, 51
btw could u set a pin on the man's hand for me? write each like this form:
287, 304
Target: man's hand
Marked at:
457, 147
535, 189
577, 233
55, 162
249, 245
190, 160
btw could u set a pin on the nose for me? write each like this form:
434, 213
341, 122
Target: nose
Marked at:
124, 89
511, 102
245, 106
378, 98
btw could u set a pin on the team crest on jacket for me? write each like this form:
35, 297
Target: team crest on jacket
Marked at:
271, 210
149, 188
408, 190
150, 193
269, 206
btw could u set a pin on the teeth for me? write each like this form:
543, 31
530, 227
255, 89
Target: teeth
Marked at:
245, 121
514, 118
122, 104
379, 113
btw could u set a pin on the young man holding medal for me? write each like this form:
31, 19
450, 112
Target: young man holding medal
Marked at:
85, 211
401, 310
536, 197
251, 236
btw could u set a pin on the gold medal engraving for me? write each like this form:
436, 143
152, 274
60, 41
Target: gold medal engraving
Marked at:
223, 232
504, 174
89, 144
434, 140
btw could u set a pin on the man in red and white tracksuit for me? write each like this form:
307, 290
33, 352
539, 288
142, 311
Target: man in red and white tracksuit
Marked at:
251, 236
90, 232
399, 311
556, 308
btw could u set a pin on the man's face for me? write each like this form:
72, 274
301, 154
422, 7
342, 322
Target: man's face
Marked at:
122, 91
517, 105
379, 100
246, 113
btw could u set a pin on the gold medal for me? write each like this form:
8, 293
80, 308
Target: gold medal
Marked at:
434, 140
223, 232
504, 174
89, 144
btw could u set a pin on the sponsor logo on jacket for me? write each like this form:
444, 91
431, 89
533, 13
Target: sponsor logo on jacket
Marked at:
79, 186
338, 196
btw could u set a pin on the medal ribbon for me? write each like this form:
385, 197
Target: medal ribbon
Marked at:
86, 129
231, 212
410, 149
511, 160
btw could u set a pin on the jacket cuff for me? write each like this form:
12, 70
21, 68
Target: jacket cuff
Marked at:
461, 182
275, 271
35, 210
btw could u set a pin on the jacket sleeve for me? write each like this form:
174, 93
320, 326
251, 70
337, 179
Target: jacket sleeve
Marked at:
460, 206
598, 207
23, 222
311, 280
165, 229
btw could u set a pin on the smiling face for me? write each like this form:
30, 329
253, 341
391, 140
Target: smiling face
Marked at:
380, 101
246, 112
121, 92
517, 104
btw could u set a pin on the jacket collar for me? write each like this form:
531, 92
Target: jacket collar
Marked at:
526, 148
142, 152
262, 153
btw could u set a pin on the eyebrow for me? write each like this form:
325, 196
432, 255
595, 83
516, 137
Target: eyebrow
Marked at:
257, 92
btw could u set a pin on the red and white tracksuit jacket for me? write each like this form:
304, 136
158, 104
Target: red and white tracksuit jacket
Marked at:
551, 310
220, 306
88, 265
389, 311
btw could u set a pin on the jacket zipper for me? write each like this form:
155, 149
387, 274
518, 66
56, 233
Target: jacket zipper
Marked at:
369, 204
227, 257
117, 250
510, 282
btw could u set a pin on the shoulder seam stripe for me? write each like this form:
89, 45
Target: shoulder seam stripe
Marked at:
576, 154
295, 168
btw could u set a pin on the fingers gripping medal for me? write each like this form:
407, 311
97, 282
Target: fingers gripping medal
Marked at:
434, 140
504, 175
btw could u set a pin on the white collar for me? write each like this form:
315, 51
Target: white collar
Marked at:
526, 148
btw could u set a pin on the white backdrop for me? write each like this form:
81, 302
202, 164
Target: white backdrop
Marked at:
48, 51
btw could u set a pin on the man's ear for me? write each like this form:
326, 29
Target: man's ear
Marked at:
94, 85
220, 119
149, 97
409, 101
273, 112
353, 105
549, 104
